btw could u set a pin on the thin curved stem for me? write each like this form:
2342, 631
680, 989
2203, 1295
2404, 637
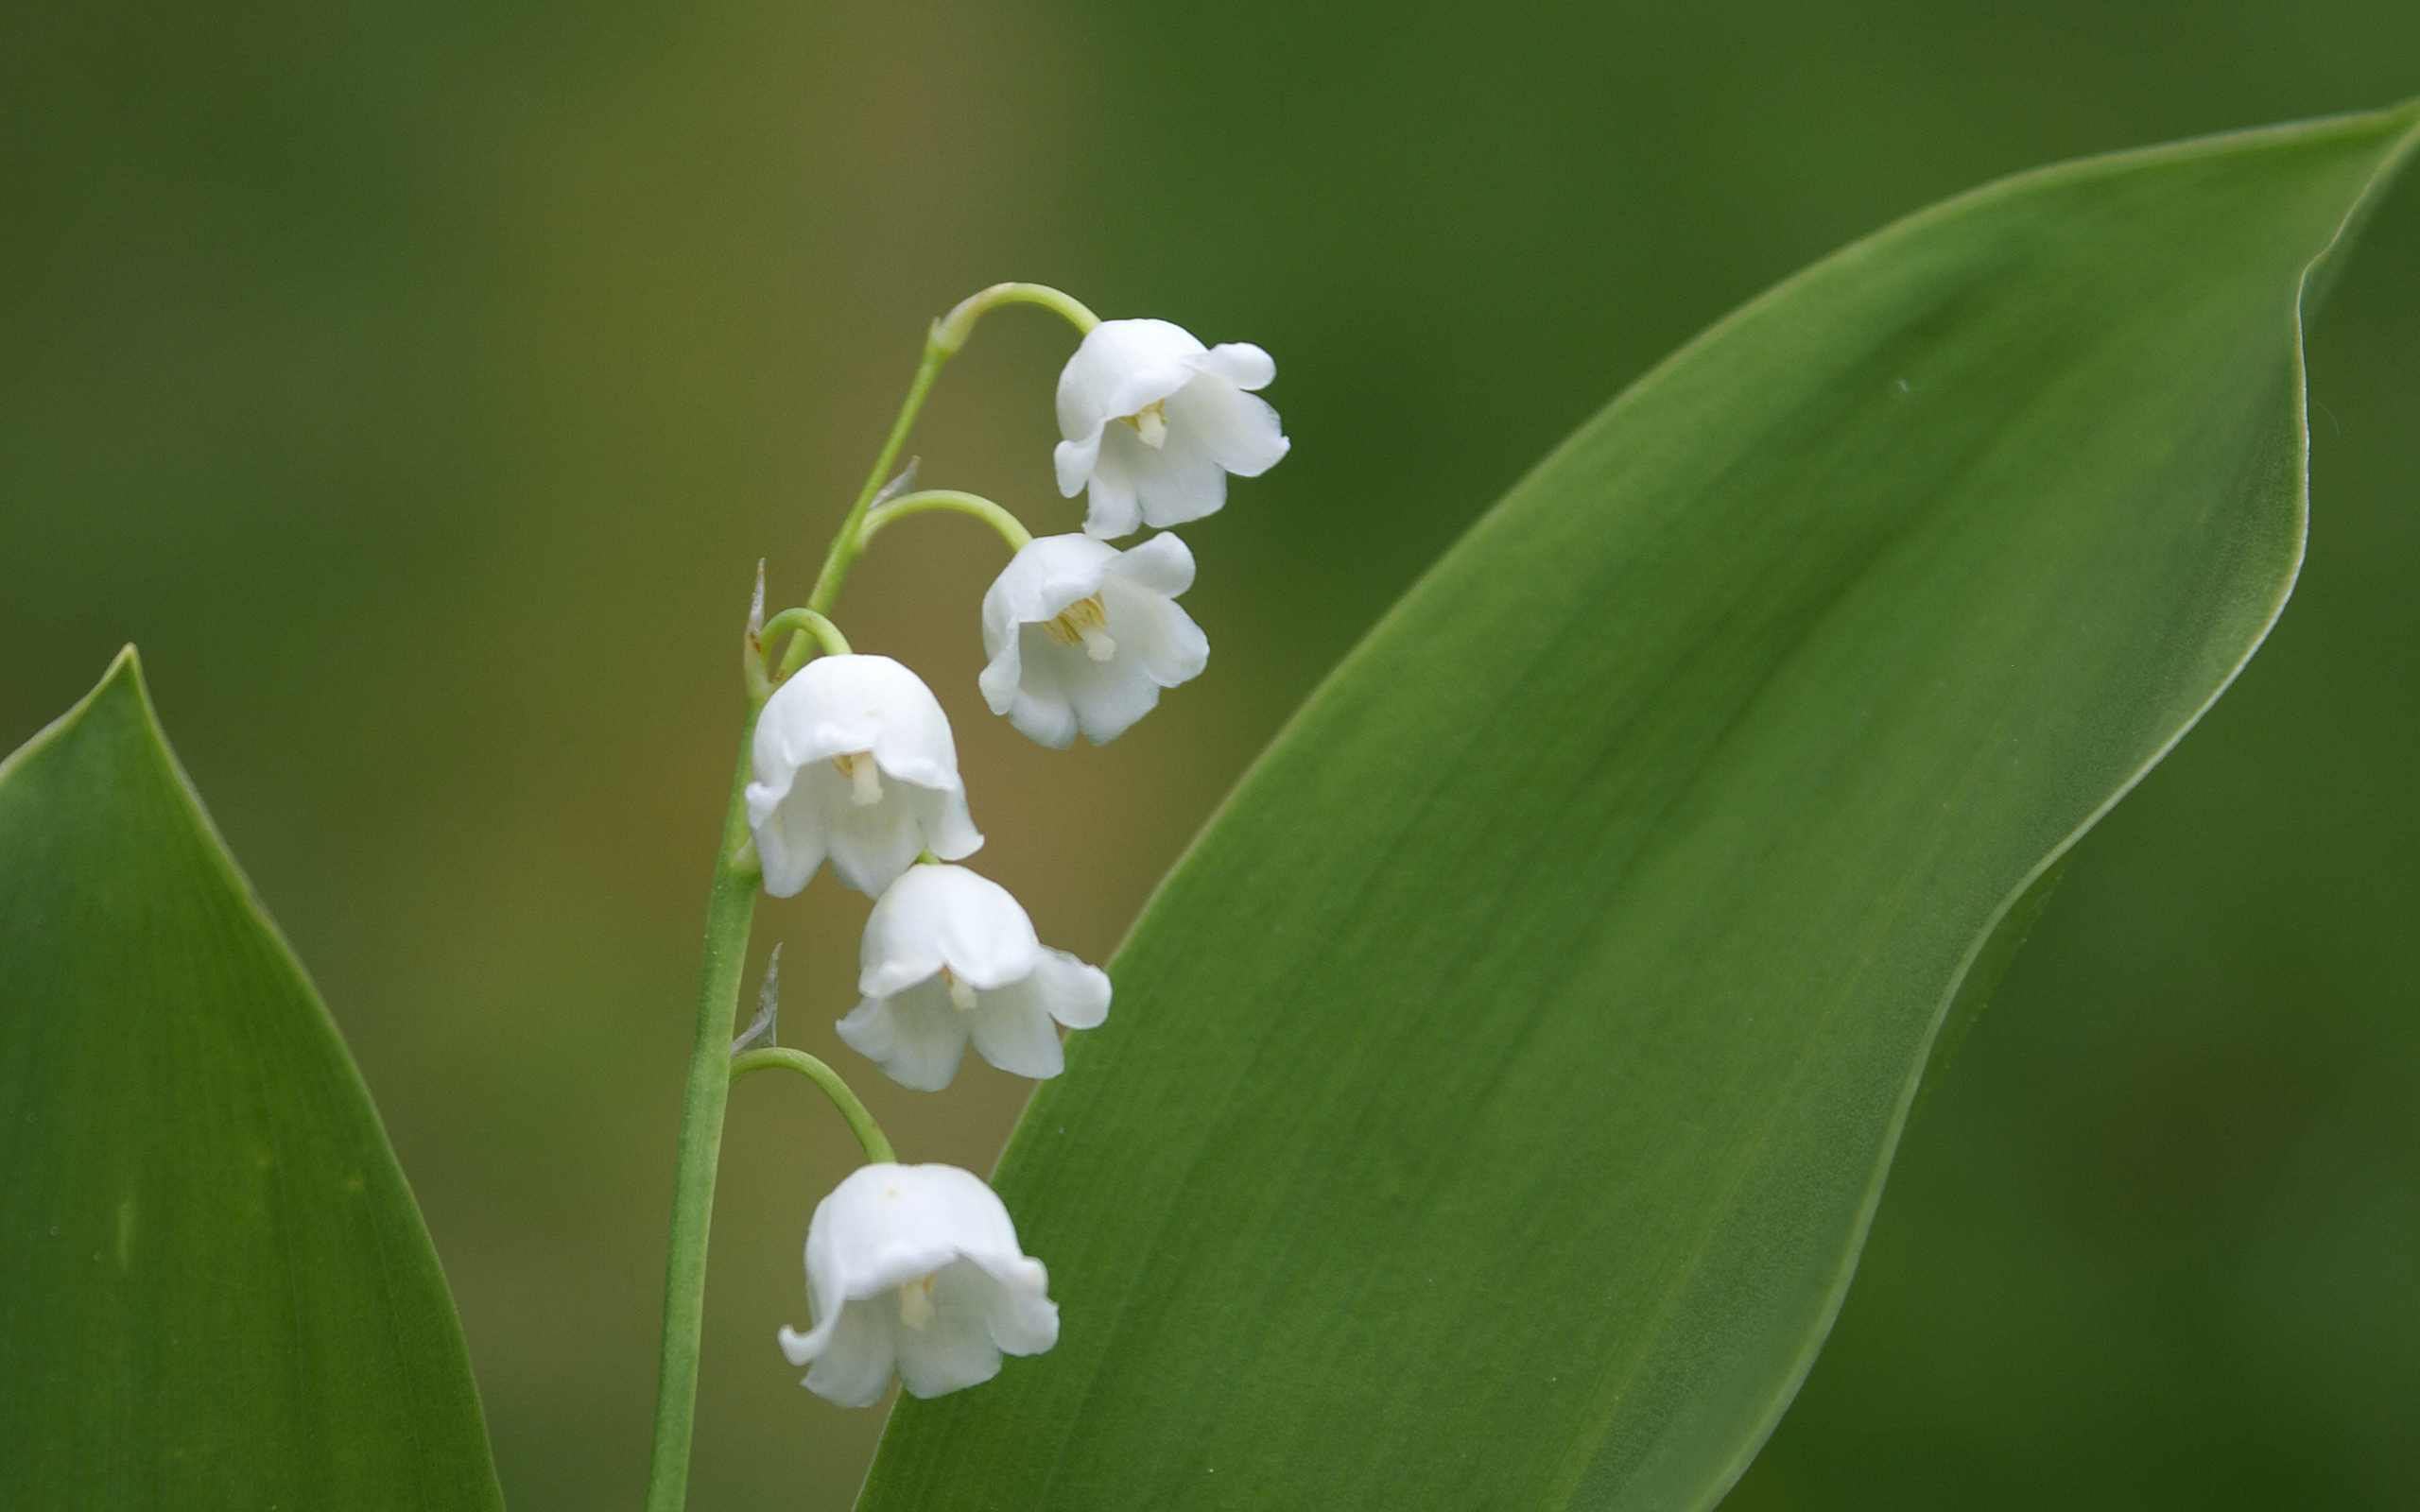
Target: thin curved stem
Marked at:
951, 330
861, 1123
948, 334
1012, 530
808, 623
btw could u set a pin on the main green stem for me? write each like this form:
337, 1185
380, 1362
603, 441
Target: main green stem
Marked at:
729, 912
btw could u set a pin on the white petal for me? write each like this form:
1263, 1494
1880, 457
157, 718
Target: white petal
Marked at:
1236, 430
871, 1029
789, 840
1023, 1319
949, 831
1108, 697
800, 1348
839, 705
1012, 1029
1118, 367
888, 1223
1045, 575
854, 1366
955, 1350
1000, 604
1075, 994
1174, 483
1040, 707
914, 744
1000, 676
917, 1037
1239, 363
1156, 638
1112, 508
1161, 565
871, 843
943, 916
1074, 461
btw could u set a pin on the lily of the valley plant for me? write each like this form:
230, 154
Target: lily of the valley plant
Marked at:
914, 1272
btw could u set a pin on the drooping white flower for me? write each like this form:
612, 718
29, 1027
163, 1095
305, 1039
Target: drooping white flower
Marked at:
950, 958
914, 1270
1154, 422
854, 761
1082, 636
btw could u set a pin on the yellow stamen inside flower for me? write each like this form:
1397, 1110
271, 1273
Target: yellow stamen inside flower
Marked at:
1083, 623
858, 767
1150, 422
916, 1302
961, 996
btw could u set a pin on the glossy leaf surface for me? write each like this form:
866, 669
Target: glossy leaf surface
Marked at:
215, 1288
1497, 1094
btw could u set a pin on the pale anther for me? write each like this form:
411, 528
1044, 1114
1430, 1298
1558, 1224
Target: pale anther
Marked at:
1150, 422
1085, 623
961, 996
916, 1302
864, 776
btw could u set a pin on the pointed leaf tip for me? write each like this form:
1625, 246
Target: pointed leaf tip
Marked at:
273, 1329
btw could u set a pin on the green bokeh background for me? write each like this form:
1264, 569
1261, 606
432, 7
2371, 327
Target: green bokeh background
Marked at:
419, 385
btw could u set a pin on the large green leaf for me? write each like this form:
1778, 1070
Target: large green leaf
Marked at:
1497, 1094
215, 1288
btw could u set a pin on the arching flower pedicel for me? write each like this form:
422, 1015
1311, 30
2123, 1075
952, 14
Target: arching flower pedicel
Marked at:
1082, 637
1154, 422
950, 958
854, 761
914, 1271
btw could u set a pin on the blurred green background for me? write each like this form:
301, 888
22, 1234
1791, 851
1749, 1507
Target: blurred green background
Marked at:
418, 385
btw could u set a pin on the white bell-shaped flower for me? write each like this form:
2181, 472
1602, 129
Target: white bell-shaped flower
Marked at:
854, 761
1154, 422
950, 958
914, 1271
1082, 636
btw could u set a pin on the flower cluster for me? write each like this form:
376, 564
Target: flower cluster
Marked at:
915, 1271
